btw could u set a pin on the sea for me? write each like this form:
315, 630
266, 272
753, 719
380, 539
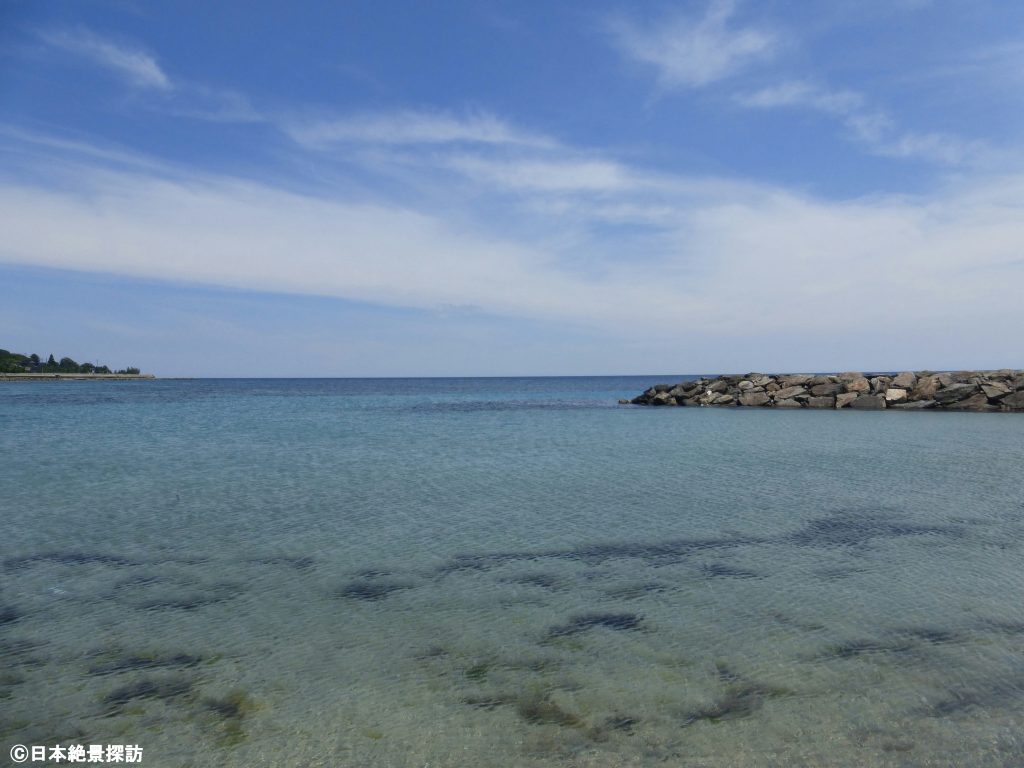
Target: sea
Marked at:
491, 572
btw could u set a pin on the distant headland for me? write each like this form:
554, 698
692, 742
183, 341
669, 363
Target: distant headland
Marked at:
14, 365
1001, 390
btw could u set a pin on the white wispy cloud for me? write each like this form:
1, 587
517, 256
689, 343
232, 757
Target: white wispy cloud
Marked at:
875, 129
692, 53
411, 127
135, 65
545, 174
710, 259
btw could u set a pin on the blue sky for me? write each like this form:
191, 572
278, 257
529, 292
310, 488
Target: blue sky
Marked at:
502, 188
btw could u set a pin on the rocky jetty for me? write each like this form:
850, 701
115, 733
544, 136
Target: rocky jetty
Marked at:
1001, 390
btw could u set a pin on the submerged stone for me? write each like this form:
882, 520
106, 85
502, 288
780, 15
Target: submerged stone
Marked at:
617, 621
133, 662
9, 614
727, 571
148, 689
541, 710
622, 723
371, 590
739, 701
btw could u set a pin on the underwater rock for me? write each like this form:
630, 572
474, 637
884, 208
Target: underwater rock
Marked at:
544, 580
711, 570
136, 662
169, 688
622, 723
372, 589
538, 709
9, 614
583, 622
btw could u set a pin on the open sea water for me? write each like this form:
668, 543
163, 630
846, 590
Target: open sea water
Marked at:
505, 572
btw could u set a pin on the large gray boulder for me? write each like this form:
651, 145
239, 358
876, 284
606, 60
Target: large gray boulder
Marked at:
821, 402
829, 388
843, 400
954, 392
976, 402
868, 403
787, 393
858, 385
788, 404
926, 388
1014, 401
880, 383
754, 398
915, 405
906, 380
795, 379
995, 390
893, 395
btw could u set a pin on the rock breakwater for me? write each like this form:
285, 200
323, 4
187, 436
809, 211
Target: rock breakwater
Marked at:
1001, 390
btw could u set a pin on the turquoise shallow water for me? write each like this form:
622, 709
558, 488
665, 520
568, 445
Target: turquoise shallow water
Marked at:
505, 572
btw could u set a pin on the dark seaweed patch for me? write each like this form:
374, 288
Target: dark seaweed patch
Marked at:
577, 624
984, 694
958, 702
720, 570
634, 591
190, 601
856, 648
477, 673
852, 529
932, 635
147, 689
544, 580
372, 573
235, 704
9, 614
132, 663
488, 703
1005, 627
65, 558
433, 652
655, 553
622, 723
371, 589
18, 653
541, 710
230, 711
739, 701
725, 673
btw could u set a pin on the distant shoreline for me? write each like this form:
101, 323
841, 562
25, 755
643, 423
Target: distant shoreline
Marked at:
77, 377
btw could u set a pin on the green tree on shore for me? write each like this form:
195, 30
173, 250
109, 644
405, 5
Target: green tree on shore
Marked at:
15, 362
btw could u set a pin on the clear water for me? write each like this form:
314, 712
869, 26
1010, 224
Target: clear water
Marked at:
505, 572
